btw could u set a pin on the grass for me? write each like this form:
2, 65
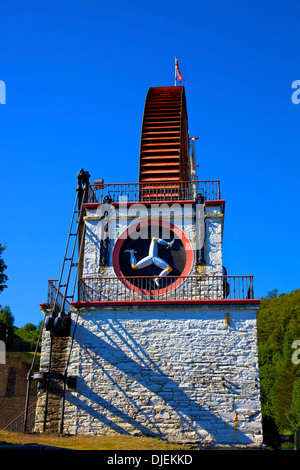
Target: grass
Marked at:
117, 442
26, 357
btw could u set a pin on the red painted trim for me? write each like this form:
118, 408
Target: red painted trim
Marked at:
225, 302
193, 276
181, 235
215, 202
94, 205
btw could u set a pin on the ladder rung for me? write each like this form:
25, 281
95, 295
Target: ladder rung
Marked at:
68, 259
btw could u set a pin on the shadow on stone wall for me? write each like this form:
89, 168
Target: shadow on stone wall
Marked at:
129, 393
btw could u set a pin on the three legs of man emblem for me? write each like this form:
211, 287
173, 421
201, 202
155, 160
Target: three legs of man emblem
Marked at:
152, 258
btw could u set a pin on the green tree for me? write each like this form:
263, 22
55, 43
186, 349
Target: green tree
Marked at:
3, 267
284, 389
278, 327
273, 294
294, 413
28, 332
6, 324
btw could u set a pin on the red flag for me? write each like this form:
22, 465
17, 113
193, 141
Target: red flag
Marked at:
178, 72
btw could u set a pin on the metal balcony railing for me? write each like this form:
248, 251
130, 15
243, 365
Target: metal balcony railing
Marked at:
169, 288
154, 191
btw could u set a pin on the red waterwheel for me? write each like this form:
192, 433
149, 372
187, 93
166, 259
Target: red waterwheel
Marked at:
164, 150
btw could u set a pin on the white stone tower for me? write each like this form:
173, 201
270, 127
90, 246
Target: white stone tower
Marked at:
159, 340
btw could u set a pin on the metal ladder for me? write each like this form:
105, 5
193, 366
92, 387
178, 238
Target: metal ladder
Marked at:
59, 321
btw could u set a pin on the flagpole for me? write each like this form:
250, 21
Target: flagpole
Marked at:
175, 71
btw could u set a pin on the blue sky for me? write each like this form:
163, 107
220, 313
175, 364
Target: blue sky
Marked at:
77, 74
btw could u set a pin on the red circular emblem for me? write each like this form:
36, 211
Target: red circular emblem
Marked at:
153, 257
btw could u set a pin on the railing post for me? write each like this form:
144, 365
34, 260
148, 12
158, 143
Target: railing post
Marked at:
250, 293
27, 401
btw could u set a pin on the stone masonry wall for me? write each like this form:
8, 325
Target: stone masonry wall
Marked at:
13, 387
182, 374
60, 352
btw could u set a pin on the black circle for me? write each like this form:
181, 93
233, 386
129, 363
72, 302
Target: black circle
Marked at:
175, 256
